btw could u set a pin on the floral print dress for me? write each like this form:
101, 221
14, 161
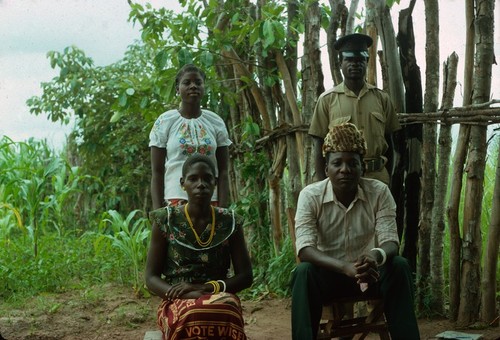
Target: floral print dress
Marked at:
211, 316
186, 259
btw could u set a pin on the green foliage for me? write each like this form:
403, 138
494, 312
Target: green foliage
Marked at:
109, 142
272, 267
252, 205
72, 63
6, 221
274, 275
40, 246
37, 187
63, 262
66, 261
252, 168
129, 235
390, 3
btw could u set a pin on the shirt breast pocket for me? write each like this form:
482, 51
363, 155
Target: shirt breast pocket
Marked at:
377, 125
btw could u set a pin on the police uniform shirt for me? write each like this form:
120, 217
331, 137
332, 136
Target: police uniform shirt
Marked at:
372, 112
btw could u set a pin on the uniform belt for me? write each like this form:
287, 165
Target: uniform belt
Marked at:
374, 165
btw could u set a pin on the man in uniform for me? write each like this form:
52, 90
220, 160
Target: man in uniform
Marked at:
362, 104
347, 242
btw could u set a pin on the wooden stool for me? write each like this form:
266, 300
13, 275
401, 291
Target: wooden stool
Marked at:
338, 320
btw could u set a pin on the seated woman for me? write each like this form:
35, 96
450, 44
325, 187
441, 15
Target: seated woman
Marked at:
192, 247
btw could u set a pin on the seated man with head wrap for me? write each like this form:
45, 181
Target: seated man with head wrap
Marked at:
347, 242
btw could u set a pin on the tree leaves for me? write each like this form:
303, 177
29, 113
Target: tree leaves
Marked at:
267, 33
184, 56
206, 59
162, 58
122, 99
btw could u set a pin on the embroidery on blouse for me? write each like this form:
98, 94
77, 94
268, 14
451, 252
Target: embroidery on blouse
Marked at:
193, 138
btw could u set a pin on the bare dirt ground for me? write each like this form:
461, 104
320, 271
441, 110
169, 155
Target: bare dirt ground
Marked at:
113, 312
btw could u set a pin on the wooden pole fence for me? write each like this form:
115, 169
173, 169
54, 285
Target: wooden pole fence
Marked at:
474, 114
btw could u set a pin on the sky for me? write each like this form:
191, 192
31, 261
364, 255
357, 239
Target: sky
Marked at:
31, 28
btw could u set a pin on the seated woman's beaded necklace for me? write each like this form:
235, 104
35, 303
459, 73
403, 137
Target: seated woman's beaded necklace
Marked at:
212, 230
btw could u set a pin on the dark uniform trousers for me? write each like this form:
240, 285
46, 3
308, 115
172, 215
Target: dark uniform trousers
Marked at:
313, 287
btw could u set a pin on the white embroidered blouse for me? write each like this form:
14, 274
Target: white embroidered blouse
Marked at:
182, 137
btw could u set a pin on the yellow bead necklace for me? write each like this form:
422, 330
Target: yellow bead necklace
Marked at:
212, 231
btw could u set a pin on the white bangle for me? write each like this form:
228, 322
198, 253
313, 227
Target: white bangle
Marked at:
384, 256
223, 285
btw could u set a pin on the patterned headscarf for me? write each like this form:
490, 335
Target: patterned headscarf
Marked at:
344, 138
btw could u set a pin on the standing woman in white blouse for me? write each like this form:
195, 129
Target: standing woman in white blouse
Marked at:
180, 133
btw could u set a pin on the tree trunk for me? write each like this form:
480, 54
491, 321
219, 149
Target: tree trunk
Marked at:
371, 30
312, 77
275, 176
458, 168
438, 225
294, 173
471, 248
411, 151
470, 296
242, 71
292, 102
429, 148
371, 67
383, 71
338, 19
349, 27
380, 13
232, 122
266, 62
489, 282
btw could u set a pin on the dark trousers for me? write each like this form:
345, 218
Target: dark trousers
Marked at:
313, 286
